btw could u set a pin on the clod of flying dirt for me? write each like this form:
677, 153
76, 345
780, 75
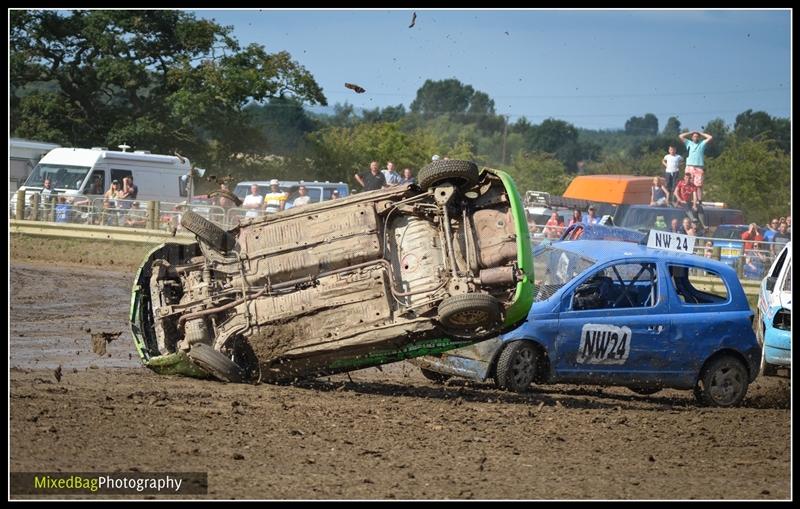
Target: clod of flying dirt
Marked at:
101, 339
238, 456
354, 88
57, 373
651, 459
414, 21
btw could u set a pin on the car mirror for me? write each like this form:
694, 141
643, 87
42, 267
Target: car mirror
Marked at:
771, 283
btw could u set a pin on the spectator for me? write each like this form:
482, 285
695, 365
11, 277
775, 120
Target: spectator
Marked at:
303, 198
695, 165
771, 229
691, 229
686, 226
708, 251
128, 193
576, 217
63, 210
591, 218
552, 228
658, 193
672, 163
780, 239
372, 179
252, 202
408, 177
755, 261
684, 192
435, 157
136, 217
675, 226
110, 195
334, 194
96, 187
752, 234
47, 190
392, 177
275, 199
789, 225
222, 200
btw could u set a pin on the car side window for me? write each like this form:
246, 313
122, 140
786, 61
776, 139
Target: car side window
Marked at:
624, 285
698, 287
778, 265
787, 281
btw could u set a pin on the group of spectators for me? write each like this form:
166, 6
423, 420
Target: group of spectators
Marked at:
275, 200
554, 226
120, 207
375, 178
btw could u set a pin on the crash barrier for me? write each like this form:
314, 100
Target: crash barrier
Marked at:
96, 232
751, 264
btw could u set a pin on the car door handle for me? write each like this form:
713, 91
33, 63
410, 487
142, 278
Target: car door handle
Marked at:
655, 328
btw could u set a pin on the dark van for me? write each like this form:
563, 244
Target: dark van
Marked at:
644, 217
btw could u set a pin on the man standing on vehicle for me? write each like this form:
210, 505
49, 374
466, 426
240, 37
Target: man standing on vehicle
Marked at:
671, 162
694, 161
372, 179
275, 199
253, 202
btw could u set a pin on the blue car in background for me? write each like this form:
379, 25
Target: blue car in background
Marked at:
618, 313
728, 238
774, 324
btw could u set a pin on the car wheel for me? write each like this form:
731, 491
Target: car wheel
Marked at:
468, 312
724, 382
207, 231
215, 363
645, 390
516, 366
434, 377
462, 173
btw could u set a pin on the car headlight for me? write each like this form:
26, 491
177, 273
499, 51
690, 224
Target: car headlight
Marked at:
783, 320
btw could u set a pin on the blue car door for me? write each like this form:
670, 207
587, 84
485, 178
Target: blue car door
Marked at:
614, 326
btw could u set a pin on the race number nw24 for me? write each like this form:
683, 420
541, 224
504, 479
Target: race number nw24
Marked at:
604, 344
671, 241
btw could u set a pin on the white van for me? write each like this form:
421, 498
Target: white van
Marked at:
89, 172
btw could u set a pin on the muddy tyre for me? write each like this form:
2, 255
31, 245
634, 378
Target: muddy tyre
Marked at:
516, 366
645, 390
216, 363
469, 312
724, 382
207, 231
433, 376
464, 174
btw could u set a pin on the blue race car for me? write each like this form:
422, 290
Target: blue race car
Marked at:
774, 324
618, 313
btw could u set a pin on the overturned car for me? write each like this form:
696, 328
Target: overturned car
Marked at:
366, 280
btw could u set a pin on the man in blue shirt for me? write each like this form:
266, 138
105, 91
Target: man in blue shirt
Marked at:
694, 161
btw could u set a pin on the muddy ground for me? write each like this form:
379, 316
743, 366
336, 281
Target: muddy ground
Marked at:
373, 435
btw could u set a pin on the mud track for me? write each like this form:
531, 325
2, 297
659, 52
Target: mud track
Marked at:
385, 434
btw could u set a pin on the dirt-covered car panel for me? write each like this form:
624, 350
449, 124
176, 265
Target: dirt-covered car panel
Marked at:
332, 286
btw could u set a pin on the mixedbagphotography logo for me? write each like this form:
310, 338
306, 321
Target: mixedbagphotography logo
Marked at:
107, 483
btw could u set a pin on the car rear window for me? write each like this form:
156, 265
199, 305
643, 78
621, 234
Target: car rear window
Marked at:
729, 232
698, 286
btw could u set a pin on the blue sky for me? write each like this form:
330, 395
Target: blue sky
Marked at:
594, 69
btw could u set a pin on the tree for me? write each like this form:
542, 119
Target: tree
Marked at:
647, 125
760, 125
673, 127
752, 175
538, 171
387, 114
450, 96
160, 80
720, 131
284, 123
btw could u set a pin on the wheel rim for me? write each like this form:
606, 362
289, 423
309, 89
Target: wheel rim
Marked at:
469, 318
726, 384
522, 368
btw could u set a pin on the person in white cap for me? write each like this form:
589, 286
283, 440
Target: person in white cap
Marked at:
275, 199
435, 157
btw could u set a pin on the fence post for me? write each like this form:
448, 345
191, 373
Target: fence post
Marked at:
35, 199
151, 214
51, 213
19, 213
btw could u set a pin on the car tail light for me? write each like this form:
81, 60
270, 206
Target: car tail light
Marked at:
783, 320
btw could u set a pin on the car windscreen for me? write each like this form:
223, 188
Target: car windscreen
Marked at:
646, 218
61, 176
554, 267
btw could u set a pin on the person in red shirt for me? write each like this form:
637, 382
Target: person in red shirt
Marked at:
552, 229
752, 234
